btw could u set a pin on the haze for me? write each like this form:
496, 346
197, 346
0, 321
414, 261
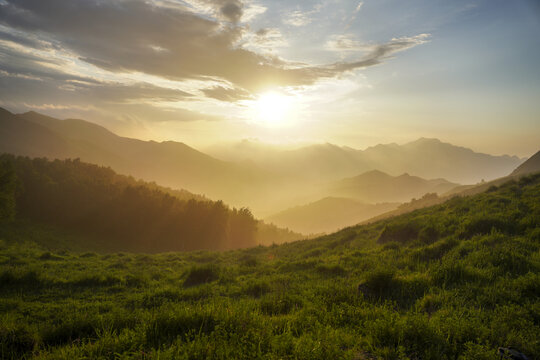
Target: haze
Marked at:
351, 73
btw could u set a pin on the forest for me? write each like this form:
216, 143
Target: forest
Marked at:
127, 214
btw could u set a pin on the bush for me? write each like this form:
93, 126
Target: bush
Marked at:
485, 225
198, 275
378, 283
400, 232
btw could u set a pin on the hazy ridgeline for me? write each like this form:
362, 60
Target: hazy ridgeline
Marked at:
266, 179
123, 213
453, 281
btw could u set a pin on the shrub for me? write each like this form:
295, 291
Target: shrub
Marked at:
400, 232
378, 283
198, 275
485, 225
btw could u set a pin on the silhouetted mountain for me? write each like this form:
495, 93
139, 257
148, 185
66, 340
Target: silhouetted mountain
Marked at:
328, 214
532, 165
376, 186
169, 163
431, 158
427, 158
264, 177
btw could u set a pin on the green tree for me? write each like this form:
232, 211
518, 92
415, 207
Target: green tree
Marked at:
8, 185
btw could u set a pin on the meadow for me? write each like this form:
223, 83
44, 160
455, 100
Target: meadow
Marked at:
452, 281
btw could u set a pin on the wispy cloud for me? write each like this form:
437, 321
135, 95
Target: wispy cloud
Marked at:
87, 46
298, 18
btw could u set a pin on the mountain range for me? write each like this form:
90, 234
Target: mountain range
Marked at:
266, 178
168, 163
426, 158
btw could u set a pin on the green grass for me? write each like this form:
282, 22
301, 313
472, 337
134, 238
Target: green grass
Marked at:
454, 281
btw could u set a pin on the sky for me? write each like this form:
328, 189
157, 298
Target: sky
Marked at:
352, 73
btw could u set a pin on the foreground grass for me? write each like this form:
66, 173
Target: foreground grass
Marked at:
454, 281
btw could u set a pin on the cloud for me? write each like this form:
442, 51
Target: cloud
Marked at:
343, 42
171, 42
265, 39
354, 14
380, 52
298, 18
227, 94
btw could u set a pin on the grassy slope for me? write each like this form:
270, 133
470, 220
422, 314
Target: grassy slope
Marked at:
453, 281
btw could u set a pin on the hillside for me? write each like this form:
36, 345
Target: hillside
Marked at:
123, 214
530, 166
453, 281
168, 163
328, 215
374, 186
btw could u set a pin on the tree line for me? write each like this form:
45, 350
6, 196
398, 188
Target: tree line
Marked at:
137, 216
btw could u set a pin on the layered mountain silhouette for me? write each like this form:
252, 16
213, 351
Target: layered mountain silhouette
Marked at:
328, 215
530, 166
169, 163
377, 186
266, 178
427, 158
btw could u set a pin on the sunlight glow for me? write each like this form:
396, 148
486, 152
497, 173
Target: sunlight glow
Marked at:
273, 109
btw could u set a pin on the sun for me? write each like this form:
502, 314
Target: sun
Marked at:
273, 109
